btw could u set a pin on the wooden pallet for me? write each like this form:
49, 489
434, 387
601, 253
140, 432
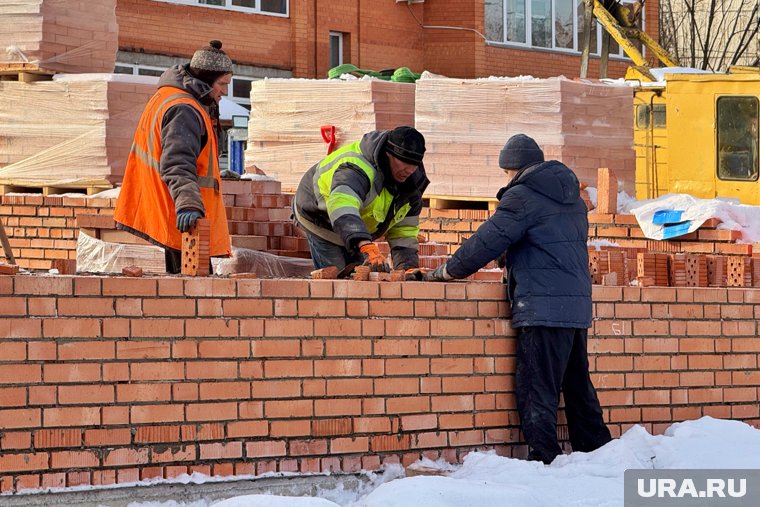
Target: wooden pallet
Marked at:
460, 202
7, 187
24, 72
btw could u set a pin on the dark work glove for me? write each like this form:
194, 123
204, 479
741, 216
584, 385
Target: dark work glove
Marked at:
501, 260
229, 175
414, 275
438, 275
186, 219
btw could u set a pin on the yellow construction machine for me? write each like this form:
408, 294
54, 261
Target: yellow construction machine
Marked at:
694, 133
698, 134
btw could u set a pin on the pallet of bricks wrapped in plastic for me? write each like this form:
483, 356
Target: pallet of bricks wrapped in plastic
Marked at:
288, 115
52, 36
466, 122
72, 132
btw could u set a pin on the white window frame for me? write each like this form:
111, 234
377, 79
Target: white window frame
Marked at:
339, 36
229, 7
576, 41
245, 101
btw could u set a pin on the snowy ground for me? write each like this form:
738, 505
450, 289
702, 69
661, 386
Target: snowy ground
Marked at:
579, 479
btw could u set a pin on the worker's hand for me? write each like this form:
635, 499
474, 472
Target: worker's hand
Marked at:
186, 219
414, 274
438, 275
373, 258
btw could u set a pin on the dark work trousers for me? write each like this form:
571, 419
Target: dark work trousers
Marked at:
173, 260
550, 358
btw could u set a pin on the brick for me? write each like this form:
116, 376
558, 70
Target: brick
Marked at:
262, 449
24, 462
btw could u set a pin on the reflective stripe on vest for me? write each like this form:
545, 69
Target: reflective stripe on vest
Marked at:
343, 200
145, 205
152, 160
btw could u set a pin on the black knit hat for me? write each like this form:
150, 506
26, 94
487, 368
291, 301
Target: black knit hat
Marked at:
519, 152
210, 62
406, 144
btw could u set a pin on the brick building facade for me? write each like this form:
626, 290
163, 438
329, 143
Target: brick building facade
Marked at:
456, 38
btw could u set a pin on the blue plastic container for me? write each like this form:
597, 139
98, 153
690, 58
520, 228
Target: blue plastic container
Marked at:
667, 216
671, 231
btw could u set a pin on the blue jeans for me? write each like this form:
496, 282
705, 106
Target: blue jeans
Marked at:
325, 253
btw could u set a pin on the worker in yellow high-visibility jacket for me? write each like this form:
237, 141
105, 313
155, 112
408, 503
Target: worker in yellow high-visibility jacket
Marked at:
360, 192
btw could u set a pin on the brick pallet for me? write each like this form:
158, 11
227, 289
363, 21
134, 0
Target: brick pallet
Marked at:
69, 134
284, 131
467, 121
71, 36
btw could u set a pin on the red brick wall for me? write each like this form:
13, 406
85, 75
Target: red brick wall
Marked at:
380, 35
110, 379
458, 53
43, 228
178, 30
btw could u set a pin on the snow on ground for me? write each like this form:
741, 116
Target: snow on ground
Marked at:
580, 479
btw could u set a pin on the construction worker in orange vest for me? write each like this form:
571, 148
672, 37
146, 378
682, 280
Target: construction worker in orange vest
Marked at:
172, 175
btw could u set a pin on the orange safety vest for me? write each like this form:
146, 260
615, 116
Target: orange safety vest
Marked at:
145, 207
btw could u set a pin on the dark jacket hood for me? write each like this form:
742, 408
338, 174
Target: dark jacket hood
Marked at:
179, 77
552, 179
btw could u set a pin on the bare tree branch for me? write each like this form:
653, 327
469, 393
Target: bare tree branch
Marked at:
710, 34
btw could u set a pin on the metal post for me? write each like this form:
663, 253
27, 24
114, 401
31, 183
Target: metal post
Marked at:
605, 54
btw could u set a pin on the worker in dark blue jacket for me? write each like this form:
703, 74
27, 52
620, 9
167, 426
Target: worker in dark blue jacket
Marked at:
541, 226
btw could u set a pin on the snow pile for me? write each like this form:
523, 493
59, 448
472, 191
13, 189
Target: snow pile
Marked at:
580, 479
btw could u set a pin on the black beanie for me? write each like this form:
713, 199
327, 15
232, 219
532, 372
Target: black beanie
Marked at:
406, 144
210, 62
519, 152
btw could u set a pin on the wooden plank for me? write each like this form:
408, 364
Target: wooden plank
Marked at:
24, 72
6, 245
460, 202
10, 186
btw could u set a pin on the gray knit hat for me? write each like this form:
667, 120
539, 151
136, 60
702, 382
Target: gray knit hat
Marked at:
210, 62
520, 151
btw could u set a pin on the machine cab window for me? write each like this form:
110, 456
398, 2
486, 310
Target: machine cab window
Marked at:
737, 138
646, 116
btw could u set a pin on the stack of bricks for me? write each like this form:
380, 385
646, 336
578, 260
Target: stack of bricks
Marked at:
73, 132
466, 123
672, 269
70, 36
258, 216
284, 130
624, 231
43, 228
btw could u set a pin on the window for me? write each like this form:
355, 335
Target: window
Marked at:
336, 49
737, 138
272, 7
644, 113
239, 90
550, 24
